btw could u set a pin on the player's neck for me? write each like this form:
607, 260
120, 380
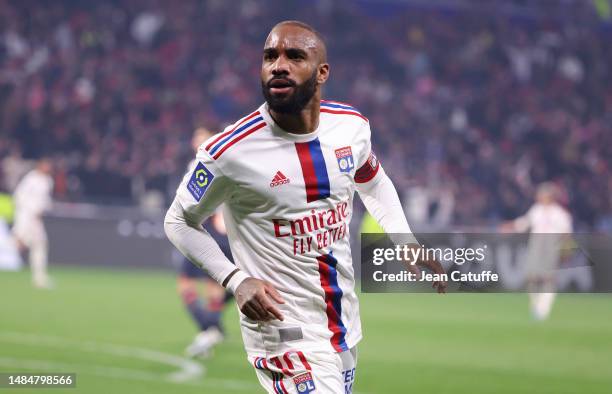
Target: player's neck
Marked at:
304, 122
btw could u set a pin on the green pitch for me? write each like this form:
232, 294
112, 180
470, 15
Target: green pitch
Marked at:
125, 331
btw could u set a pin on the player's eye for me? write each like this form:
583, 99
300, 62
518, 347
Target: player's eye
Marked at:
296, 55
268, 56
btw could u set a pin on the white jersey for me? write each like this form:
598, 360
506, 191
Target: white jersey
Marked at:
549, 224
545, 219
33, 195
288, 203
32, 198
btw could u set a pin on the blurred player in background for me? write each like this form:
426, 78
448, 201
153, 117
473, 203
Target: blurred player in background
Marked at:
207, 316
287, 174
550, 225
32, 198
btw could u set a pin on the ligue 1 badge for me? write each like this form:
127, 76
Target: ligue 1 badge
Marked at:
200, 180
304, 383
345, 159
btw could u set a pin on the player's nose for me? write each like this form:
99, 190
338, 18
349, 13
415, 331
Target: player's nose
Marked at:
280, 66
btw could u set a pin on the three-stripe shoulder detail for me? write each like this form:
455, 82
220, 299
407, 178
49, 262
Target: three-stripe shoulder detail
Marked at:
242, 129
339, 108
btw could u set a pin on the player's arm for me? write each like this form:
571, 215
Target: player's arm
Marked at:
202, 190
380, 199
521, 224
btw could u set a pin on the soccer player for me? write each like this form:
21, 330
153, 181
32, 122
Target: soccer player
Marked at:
287, 174
206, 317
32, 198
550, 224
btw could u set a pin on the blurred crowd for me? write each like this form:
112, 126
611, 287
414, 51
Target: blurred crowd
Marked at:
472, 103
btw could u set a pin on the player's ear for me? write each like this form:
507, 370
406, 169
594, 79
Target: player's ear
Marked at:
322, 73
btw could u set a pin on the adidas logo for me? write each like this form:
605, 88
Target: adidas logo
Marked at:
279, 179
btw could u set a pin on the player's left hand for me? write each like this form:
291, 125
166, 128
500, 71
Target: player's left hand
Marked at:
434, 266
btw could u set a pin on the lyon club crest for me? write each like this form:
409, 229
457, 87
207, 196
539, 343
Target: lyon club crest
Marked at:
345, 159
304, 383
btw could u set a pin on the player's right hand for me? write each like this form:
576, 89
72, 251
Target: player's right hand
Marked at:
255, 299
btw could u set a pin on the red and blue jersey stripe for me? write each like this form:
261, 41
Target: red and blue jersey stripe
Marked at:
242, 129
277, 383
313, 170
277, 377
260, 363
333, 300
338, 108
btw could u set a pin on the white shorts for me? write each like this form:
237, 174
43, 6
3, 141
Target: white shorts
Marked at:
30, 231
297, 372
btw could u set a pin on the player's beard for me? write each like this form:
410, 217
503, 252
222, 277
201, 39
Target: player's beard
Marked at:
295, 102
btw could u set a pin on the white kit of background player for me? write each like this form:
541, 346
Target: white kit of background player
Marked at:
32, 198
550, 224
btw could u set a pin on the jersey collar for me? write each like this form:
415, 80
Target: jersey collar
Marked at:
278, 131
